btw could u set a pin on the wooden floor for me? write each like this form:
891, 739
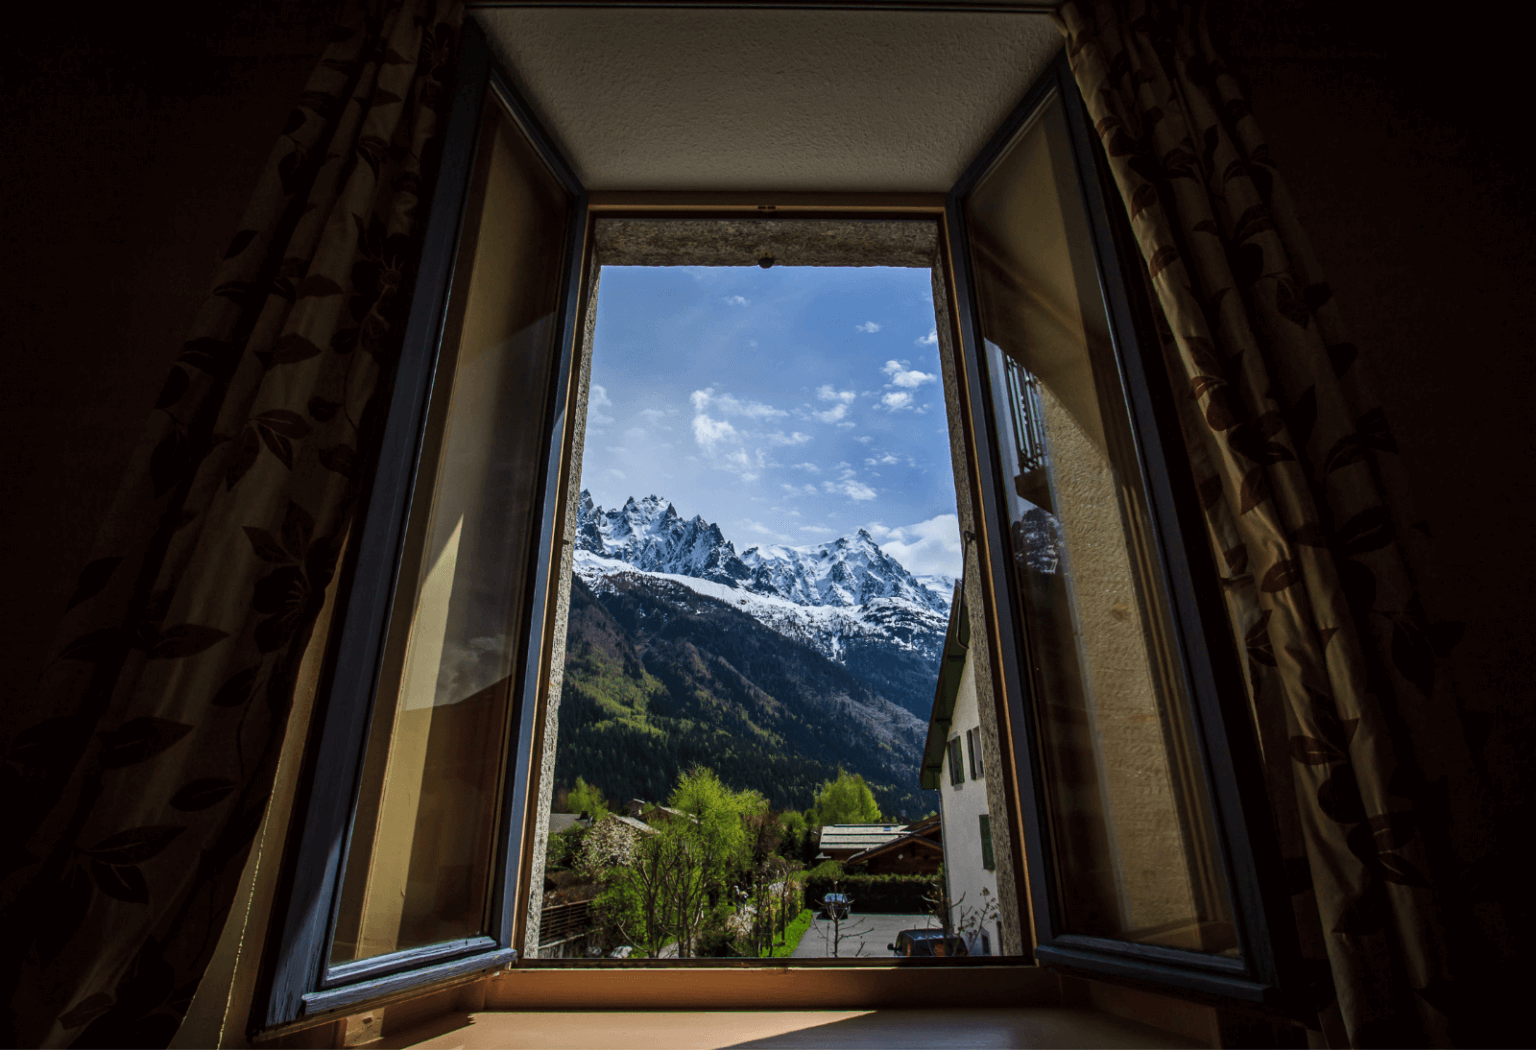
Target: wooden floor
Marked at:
885, 1029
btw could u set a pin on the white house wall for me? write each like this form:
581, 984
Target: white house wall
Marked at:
963, 804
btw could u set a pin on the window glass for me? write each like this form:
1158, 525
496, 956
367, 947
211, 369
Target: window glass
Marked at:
420, 862
956, 770
1128, 809
987, 860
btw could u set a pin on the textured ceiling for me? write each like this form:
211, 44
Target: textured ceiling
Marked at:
753, 99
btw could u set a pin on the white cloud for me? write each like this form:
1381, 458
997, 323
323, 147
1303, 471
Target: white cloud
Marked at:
635, 433
655, 415
897, 400
809, 468
778, 437
711, 432
707, 400
931, 339
748, 464
854, 490
597, 400
885, 460
908, 378
845, 426
867, 326
616, 473
840, 399
736, 300
863, 439
931, 546
817, 530
763, 530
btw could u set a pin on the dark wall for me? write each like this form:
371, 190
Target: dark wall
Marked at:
131, 149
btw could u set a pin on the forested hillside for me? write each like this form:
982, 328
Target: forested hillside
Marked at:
659, 677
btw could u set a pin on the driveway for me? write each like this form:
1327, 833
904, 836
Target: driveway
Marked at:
873, 930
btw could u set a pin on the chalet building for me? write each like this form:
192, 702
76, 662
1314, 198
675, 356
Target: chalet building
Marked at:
953, 765
917, 851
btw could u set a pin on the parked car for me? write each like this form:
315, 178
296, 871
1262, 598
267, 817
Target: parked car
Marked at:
836, 906
927, 943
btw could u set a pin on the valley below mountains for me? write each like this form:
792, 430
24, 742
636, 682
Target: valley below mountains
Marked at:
774, 666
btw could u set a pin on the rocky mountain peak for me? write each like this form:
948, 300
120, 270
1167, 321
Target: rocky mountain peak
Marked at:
648, 534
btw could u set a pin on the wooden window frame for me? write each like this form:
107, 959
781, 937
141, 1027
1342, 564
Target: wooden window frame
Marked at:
298, 990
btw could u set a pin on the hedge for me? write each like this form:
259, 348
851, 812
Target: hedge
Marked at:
881, 894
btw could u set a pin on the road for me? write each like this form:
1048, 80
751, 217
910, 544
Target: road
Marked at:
874, 931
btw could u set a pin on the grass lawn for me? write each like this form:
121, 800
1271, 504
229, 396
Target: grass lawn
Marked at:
792, 935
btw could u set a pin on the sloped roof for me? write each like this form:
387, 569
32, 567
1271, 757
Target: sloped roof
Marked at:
911, 840
559, 822
957, 643
638, 825
858, 836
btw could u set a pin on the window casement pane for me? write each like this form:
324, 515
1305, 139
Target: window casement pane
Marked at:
422, 855
973, 752
956, 770
1128, 808
987, 860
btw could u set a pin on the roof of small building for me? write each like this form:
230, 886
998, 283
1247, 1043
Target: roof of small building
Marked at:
638, 825
911, 841
858, 836
559, 822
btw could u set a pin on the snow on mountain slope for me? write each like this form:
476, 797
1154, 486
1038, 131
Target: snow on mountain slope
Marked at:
828, 629
846, 599
649, 535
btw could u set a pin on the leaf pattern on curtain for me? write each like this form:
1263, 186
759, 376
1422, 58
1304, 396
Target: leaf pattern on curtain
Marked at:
137, 775
1306, 508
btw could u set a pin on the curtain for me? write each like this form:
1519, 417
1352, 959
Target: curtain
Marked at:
1306, 508
138, 772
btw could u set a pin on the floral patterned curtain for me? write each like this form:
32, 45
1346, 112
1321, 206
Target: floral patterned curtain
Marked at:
1306, 506
137, 774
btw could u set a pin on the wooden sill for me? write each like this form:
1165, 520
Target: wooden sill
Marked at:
909, 1029
779, 1006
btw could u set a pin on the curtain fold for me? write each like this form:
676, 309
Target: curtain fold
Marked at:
137, 774
1308, 515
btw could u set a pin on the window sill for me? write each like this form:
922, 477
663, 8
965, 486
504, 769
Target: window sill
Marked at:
983, 1006
1024, 1026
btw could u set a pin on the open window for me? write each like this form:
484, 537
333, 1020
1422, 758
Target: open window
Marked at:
1135, 828
1145, 835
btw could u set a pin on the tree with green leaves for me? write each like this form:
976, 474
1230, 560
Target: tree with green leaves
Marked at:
585, 798
846, 800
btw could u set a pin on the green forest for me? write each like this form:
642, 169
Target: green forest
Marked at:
659, 679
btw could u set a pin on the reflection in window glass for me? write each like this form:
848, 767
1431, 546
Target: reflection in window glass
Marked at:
1130, 818
419, 864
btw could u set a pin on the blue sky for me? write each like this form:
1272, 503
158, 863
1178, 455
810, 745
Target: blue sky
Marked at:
789, 405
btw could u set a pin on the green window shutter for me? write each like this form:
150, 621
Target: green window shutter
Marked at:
956, 770
986, 842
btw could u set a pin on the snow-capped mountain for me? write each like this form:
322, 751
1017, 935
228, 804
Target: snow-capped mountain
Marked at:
650, 535
847, 599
